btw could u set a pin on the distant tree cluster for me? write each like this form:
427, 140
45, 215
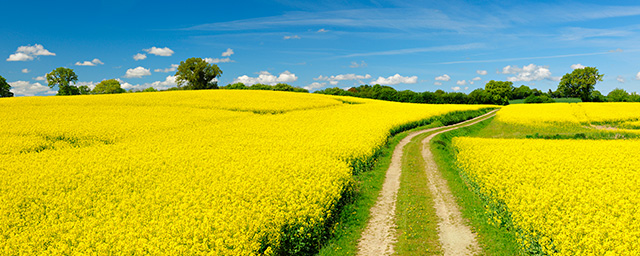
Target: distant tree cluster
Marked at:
495, 92
5, 88
196, 74
278, 87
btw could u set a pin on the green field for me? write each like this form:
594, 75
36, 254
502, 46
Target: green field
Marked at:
558, 100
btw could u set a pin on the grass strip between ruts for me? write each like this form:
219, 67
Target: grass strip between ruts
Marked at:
355, 215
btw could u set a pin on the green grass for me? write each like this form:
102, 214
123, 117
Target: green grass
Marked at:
492, 240
416, 217
560, 131
354, 216
558, 100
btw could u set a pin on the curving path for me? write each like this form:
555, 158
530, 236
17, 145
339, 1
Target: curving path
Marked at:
456, 237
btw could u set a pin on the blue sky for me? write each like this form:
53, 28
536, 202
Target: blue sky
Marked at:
416, 45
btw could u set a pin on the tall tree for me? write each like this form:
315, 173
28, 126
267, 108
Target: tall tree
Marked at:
5, 88
196, 74
63, 78
618, 95
580, 83
108, 86
500, 91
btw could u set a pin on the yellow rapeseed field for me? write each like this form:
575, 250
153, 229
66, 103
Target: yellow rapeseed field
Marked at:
574, 197
180, 173
568, 113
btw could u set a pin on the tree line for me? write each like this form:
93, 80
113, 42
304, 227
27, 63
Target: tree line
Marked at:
197, 74
580, 83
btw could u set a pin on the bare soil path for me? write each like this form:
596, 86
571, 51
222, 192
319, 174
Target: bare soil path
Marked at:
456, 237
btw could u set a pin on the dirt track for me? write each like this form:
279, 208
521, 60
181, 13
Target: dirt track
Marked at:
455, 236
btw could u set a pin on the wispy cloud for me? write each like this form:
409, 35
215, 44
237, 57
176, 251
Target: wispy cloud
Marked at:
533, 58
445, 48
388, 18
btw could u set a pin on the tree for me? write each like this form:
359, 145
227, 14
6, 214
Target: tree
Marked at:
150, 89
283, 87
580, 83
521, 92
108, 87
236, 86
5, 88
596, 96
196, 74
538, 99
63, 77
84, 90
480, 96
500, 91
618, 95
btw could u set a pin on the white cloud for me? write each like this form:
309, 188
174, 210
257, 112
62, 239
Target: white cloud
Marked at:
396, 79
577, 66
91, 84
26, 70
217, 60
466, 88
620, 79
444, 77
264, 77
90, 63
137, 72
159, 51
173, 67
529, 73
314, 85
461, 82
333, 80
322, 30
358, 65
228, 52
476, 79
28, 52
19, 56
291, 37
638, 76
40, 78
437, 83
342, 77
139, 56
25, 88
456, 88
481, 72
169, 81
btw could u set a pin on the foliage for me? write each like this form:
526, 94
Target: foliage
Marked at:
538, 99
534, 188
521, 92
84, 90
5, 88
278, 87
618, 95
197, 74
500, 91
478, 96
149, 89
596, 96
108, 87
580, 83
107, 175
235, 86
63, 78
